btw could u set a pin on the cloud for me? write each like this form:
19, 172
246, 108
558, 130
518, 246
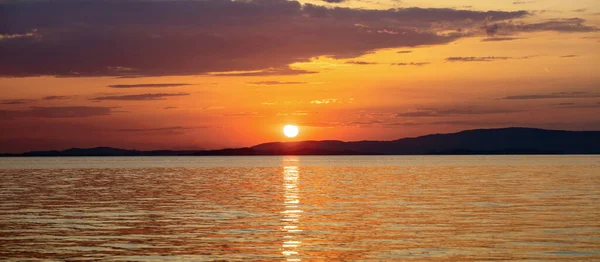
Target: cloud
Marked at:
170, 107
553, 96
57, 112
498, 39
412, 64
404, 52
25, 101
11, 36
57, 97
162, 130
265, 72
364, 123
329, 124
150, 85
569, 56
574, 105
293, 113
275, 83
130, 38
568, 25
490, 123
472, 110
213, 107
140, 97
471, 123
361, 63
325, 101
523, 2
242, 114
15, 101
334, 1
477, 59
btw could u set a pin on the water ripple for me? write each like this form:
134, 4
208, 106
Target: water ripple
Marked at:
542, 210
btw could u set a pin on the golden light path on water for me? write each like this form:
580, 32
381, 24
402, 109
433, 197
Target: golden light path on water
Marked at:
292, 213
306, 208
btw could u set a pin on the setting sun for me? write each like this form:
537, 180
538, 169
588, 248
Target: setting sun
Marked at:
191, 111
290, 130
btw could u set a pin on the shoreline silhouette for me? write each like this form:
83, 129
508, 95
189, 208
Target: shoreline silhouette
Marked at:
499, 141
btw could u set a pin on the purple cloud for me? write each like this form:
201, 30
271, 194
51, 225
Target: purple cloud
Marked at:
15, 101
472, 110
275, 83
140, 97
553, 96
360, 63
499, 39
57, 97
57, 112
412, 64
131, 38
568, 25
149, 85
477, 59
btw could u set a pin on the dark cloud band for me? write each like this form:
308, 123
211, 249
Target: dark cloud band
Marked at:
57, 112
149, 85
135, 38
140, 97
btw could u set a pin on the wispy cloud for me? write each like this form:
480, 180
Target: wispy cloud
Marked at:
523, 2
57, 97
169, 129
213, 107
476, 59
575, 105
265, 72
293, 113
361, 63
473, 110
242, 114
499, 39
149, 85
140, 97
568, 25
325, 101
275, 83
553, 96
411, 64
15, 101
57, 112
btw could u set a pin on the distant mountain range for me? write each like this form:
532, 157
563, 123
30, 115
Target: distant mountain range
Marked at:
514, 140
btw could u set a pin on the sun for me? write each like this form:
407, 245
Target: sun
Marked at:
290, 130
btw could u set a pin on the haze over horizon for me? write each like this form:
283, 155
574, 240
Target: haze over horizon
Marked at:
221, 74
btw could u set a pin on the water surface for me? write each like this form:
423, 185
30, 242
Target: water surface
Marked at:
361, 208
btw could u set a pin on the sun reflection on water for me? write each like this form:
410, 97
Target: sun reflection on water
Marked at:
292, 212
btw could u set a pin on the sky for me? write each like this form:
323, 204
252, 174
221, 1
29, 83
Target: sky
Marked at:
181, 74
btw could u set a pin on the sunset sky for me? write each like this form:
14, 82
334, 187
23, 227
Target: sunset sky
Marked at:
218, 73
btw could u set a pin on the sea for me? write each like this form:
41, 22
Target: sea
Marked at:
300, 208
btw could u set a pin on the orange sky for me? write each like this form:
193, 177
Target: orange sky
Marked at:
170, 80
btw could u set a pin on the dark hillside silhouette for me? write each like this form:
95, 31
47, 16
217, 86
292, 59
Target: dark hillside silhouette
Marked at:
480, 141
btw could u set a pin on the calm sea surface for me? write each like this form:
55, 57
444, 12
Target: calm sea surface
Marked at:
331, 208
